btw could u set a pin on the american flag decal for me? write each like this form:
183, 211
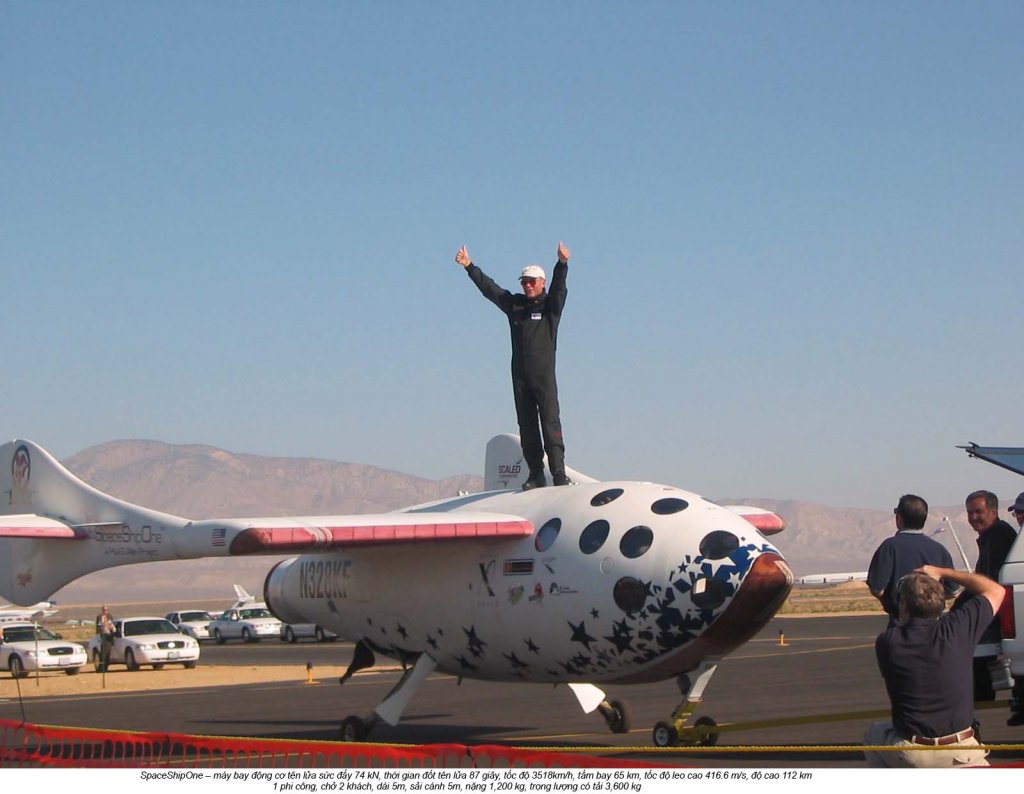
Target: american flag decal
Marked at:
218, 536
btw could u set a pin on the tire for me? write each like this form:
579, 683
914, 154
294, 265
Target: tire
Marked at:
17, 667
619, 720
73, 671
246, 635
709, 739
321, 635
129, 660
289, 635
158, 666
190, 665
218, 637
665, 735
353, 729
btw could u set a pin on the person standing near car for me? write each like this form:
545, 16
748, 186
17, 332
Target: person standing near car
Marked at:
533, 318
105, 629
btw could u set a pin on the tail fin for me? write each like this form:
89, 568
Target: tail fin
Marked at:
50, 522
505, 469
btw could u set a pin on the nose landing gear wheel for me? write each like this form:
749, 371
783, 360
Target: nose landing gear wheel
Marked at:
617, 716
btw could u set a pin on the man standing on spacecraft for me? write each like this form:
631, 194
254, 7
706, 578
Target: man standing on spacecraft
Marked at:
533, 318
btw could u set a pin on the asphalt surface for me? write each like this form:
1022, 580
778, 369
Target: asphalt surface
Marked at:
825, 669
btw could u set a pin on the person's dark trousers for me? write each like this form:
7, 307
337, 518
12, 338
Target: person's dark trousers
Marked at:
538, 397
983, 690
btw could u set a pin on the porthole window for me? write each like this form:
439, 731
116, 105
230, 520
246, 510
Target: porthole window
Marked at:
605, 497
593, 537
629, 594
718, 544
669, 505
636, 542
709, 593
546, 534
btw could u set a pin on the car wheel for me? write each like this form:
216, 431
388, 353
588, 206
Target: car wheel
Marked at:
191, 665
218, 636
129, 660
158, 666
321, 636
289, 635
246, 635
16, 666
73, 670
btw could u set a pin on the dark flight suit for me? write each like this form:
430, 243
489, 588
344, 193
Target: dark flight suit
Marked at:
534, 328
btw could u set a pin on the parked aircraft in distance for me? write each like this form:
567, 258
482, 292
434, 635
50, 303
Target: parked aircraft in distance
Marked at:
595, 582
35, 612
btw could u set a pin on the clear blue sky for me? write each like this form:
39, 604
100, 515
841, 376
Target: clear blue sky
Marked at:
796, 232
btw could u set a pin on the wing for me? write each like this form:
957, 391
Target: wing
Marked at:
328, 533
29, 525
766, 522
1011, 458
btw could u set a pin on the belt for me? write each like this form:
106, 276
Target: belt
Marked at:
952, 738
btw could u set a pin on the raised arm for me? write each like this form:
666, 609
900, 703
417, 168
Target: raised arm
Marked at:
974, 583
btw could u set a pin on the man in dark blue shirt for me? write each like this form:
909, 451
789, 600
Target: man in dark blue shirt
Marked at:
904, 552
925, 659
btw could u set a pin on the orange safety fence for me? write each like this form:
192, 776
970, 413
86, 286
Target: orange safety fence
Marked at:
28, 745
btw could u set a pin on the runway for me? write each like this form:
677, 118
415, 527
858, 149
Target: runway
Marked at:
826, 667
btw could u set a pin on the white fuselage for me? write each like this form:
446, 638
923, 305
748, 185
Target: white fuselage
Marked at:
633, 578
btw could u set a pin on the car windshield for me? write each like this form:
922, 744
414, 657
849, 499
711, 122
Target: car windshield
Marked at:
27, 634
191, 617
133, 628
254, 613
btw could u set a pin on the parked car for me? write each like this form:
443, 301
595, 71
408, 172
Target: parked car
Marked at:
26, 647
193, 622
154, 641
248, 624
293, 632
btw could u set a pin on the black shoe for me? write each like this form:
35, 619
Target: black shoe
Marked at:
1016, 718
534, 482
561, 479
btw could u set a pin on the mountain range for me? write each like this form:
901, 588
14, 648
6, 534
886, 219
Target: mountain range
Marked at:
205, 482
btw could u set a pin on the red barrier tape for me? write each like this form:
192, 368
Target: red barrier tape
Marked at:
29, 745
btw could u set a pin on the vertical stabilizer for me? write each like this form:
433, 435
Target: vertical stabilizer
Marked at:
506, 469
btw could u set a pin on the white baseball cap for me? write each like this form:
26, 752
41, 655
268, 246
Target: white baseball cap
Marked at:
532, 271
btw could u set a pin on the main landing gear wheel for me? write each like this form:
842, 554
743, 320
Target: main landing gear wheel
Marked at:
617, 716
699, 735
354, 729
705, 737
665, 735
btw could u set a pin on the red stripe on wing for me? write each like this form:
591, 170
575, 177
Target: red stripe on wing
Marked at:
272, 540
766, 523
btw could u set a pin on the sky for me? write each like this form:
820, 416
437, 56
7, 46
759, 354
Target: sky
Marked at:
796, 231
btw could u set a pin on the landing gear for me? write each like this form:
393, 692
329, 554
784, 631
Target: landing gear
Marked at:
676, 732
353, 729
617, 715
356, 729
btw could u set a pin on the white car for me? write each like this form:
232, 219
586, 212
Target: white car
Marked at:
293, 632
153, 641
26, 646
248, 624
194, 622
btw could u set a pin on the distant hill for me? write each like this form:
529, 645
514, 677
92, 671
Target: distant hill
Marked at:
205, 482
